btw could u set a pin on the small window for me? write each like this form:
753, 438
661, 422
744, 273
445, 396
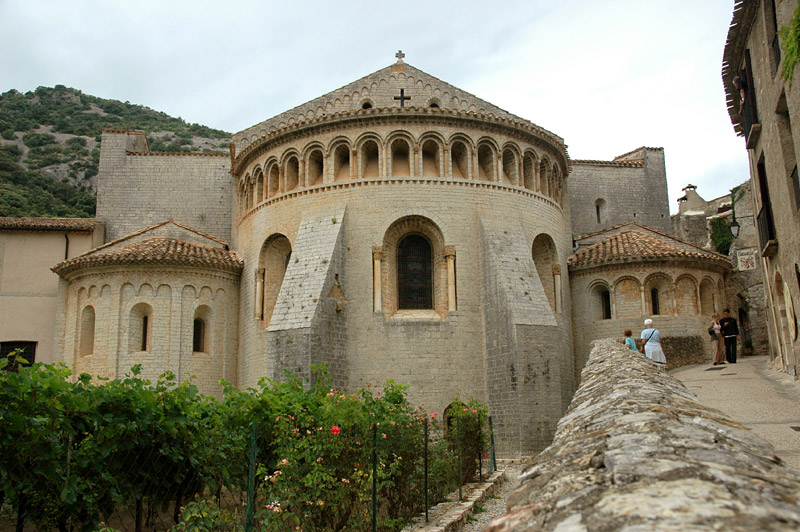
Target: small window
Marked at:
654, 301
199, 336
599, 210
21, 351
86, 346
366, 105
605, 297
414, 273
144, 333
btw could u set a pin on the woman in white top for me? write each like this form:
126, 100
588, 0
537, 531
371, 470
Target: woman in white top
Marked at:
719, 345
651, 343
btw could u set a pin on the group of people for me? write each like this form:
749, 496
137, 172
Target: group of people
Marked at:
723, 331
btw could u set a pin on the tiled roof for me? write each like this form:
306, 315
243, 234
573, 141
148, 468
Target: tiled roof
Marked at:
47, 224
158, 251
640, 244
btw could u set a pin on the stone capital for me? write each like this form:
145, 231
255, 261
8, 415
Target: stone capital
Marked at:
377, 252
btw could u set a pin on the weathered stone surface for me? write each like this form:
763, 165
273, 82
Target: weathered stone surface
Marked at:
636, 451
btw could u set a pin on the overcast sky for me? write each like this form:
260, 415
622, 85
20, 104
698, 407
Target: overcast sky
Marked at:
607, 76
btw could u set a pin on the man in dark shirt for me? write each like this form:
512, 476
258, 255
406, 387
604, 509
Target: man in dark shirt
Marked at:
730, 331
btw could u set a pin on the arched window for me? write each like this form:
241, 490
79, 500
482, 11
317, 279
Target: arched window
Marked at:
460, 159
369, 159
414, 273
259, 187
654, 306
272, 186
509, 167
292, 173
366, 105
605, 301
529, 171
139, 327
272, 265
315, 168
341, 163
600, 210
430, 159
87, 331
198, 335
401, 161
544, 258
485, 162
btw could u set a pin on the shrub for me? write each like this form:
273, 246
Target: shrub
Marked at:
8, 134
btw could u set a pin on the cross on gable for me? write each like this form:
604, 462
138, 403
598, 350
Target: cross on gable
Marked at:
399, 55
402, 97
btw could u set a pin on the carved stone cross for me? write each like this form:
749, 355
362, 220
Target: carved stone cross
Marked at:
402, 97
399, 55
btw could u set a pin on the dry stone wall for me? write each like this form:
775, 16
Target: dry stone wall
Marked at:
636, 451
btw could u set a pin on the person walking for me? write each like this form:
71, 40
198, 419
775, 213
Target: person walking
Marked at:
716, 340
630, 342
730, 332
651, 343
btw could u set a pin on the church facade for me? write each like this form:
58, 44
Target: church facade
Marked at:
395, 228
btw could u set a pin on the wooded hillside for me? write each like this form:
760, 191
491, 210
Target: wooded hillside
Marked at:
50, 146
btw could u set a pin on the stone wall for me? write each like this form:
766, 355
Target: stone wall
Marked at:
136, 188
636, 451
628, 189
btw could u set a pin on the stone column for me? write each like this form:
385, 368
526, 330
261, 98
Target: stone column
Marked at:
613, 304
450, 255
698, 307
644, 301
302, 178
353, 155
447, 168
557, 282
259, 310
674, 300
413, 163
377, 256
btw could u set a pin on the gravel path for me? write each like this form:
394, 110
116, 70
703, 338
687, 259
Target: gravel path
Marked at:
495, 506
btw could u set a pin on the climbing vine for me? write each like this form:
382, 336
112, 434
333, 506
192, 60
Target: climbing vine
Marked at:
790, 36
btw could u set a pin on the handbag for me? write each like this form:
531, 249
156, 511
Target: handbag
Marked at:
711, 332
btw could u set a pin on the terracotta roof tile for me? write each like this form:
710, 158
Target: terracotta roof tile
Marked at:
158, 250
636, 245
47, 224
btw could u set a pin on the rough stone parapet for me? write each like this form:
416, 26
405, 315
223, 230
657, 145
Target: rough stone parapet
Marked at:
636, 451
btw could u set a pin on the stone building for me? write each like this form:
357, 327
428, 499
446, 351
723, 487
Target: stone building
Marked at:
629, 272
395, 228
763, 108
631, 187
745, 284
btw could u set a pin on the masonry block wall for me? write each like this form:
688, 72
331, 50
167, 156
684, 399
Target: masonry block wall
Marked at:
632, 187
686, 314
118, 300
136, 188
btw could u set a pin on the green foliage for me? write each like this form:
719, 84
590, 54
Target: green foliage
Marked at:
790, 39
26, 191
721, 235
73, 452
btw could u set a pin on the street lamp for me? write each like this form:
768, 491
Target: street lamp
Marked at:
735, 228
